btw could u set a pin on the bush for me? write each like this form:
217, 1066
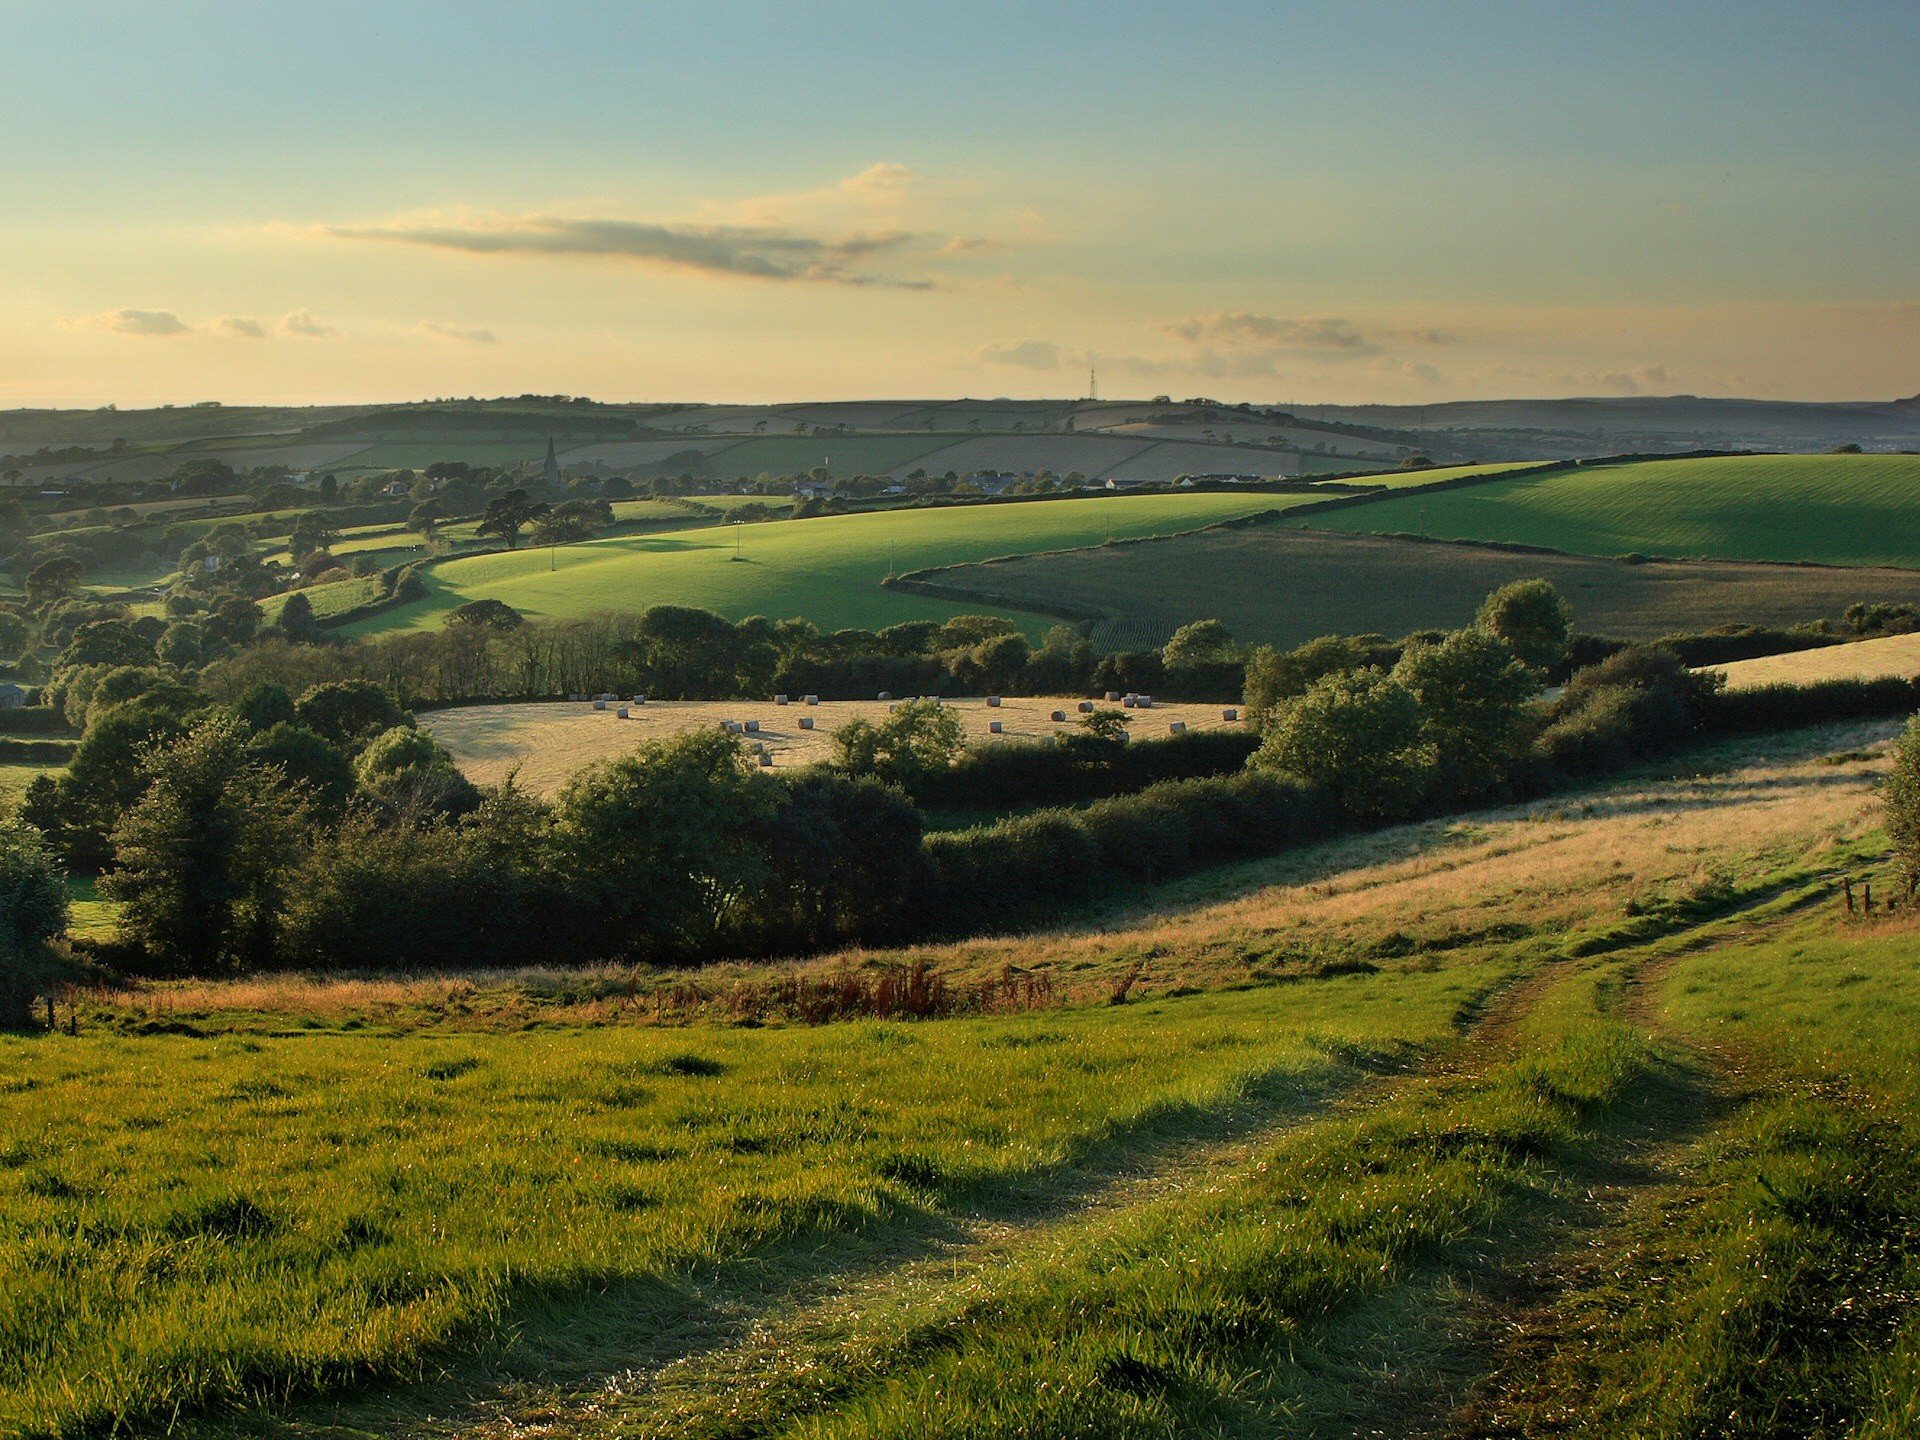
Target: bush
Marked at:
1359, 735
1900, 798
1013, 777
1020, 870
1637, 701
921, 738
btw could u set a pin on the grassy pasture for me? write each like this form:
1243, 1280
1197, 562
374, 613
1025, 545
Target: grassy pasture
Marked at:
1278, 584
828, 569
336, 1207
1834, 509
1130, 1218
546, 743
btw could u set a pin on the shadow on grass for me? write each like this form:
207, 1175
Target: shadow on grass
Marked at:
577, 1338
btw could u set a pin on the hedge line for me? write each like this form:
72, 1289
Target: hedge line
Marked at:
1002, 777
999, 876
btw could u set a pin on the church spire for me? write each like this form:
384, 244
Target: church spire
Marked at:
550, 472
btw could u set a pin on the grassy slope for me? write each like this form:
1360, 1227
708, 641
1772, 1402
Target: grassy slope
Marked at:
1836, 509
1277, 584
186, 1249
335, 1205
828, 569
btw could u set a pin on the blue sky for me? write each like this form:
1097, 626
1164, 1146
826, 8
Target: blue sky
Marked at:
756, 201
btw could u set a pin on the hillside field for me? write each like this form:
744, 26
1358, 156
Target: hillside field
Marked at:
827, 569
1594, 1109
1832, 509
544, 743
1279, 584
1891, 657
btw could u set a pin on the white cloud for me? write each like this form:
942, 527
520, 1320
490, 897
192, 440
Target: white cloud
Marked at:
243, 326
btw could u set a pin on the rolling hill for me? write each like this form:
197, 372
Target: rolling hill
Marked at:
1831, 509
828, 569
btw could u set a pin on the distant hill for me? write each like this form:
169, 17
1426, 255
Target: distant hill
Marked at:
1577, 428
1121, 440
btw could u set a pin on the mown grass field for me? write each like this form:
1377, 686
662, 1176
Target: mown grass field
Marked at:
1565, 1113
1891, 657
1279, 584
543, 744
1834, 509
827, 569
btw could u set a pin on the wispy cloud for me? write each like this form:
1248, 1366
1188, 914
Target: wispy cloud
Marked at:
157, 323
465, 334
1028, 354
167, 324
733, 251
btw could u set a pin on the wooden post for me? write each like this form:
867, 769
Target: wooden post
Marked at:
52, 1027
1846, 882
1866, 897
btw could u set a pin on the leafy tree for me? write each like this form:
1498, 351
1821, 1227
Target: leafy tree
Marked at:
688, 653
33, 909
203, 855
313, 531
296, 620
183, 645
15, 631
105, 642
52, 580
1359, 734
306, 759
107, 774
1472, 693
659, 845
264, 705
486, 614
1534, 621
917, 739
425, 517
235, 620
350, 712
843, 860
1204, 642
509, 514
1274, 676
410, 776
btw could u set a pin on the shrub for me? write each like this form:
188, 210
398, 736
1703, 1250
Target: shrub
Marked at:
1900, 799
1359, 735
919, 739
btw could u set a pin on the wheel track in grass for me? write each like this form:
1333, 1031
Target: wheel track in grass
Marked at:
1510, 1319
734, 1321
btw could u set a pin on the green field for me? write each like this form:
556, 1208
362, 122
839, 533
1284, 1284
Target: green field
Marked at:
1591, 1117
1834, 509
1278, 584
828, 569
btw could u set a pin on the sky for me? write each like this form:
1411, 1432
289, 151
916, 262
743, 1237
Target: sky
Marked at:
1281, 202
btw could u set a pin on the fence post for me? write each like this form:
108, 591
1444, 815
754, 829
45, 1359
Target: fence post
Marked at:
1846, 882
